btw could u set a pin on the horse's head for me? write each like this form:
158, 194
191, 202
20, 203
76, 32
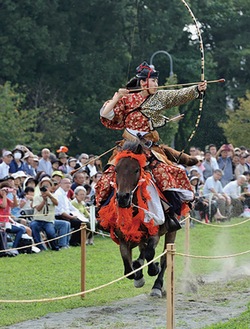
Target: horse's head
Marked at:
128, 171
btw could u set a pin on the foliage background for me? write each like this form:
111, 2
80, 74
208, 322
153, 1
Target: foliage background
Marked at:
64, 58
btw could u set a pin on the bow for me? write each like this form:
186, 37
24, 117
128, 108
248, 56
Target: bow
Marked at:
202, 69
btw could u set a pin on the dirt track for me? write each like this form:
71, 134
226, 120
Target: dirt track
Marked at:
203, 301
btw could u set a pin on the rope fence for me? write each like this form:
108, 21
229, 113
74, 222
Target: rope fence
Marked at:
124, 276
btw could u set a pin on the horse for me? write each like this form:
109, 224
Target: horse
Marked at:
124, 217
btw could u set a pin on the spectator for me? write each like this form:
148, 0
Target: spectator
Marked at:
57, 176
225, 163
45, 163
201, 204
82, 161
71, 165
79, 179
16, 163
79, 203
5, 165
55, 164
209, 165
44, 214
62, 226
98, 164
5, 214
91, 168
233, 190
96, 178
200, 167
247, 159
213, 187
241, 167
63, 162
34, 165
27, 164
26, 207
193, 151
66, 211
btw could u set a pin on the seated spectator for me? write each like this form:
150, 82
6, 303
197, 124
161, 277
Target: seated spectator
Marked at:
44, 214
66, 211
98, 164
213, 190
82, 161
207, 208
63, 162
17, 164
225, 163
27, 164
57, 175
5, 165
34, 165
91, 168
79, 179
55, 164
95, 179
233, 190
79, 203
26, 207
71, 165
5, 214
45, 163
241, 167
209, 165
62, 226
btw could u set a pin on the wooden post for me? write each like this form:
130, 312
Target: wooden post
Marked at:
83, 258
187, 242
170, 286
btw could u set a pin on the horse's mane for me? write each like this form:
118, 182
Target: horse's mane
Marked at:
133, 150
133, 146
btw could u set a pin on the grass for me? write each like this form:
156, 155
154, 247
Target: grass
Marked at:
52, 274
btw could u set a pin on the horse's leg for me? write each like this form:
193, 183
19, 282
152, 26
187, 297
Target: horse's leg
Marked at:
158, 284
139, 280
126, 253
153, 268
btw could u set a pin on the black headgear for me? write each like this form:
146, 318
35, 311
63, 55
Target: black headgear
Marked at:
145, 71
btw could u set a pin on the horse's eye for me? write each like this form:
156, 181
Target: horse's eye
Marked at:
137, 170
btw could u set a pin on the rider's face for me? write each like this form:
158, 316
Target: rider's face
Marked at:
150, 84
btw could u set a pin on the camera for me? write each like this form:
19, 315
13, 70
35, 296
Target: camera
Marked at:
8, 189
43, 189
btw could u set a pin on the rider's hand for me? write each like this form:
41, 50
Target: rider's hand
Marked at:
121, 92
202, 86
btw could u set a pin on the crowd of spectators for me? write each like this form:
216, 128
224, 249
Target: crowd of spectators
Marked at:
221, 182
47, 196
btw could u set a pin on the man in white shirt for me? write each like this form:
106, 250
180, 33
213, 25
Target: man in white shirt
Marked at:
213, 187
233, 190
66, 211
4, 166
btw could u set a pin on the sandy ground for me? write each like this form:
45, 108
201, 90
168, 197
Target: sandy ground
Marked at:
201, 301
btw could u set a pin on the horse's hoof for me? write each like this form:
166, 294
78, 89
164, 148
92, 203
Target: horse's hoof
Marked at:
139, 283
154, 269
156, 293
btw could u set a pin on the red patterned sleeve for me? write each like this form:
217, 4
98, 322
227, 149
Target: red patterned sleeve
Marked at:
118, 121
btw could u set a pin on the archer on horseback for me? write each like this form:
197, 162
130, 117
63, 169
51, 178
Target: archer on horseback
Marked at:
140, 112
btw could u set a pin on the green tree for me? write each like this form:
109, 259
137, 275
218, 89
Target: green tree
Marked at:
236, 127
14, 123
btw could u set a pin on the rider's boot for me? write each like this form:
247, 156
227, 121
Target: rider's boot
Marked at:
179, 157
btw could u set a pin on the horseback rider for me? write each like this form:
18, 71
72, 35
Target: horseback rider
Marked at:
140, 112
